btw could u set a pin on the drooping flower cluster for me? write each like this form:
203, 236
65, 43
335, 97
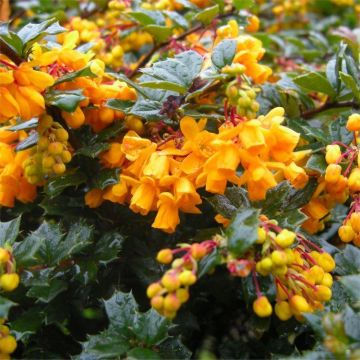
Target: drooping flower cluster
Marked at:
168, 294
164, 176
300, 271
50, 154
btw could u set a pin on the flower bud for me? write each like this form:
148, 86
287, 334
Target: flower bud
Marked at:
346, 233
153, 289
9, 282
333, 152
332, 173
187, 278
353, 123
283, 310
285, 238
299, 304
262, 307
164, 256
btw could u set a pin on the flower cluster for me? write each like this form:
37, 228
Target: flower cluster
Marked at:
21, 90
300, 269
7, 342
168, 294
13, 183
249, 51
50, 154
244, 98
164, 176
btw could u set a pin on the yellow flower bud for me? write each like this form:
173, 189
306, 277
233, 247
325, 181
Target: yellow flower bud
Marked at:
157, 302
187, 278
8, 344
9, 282
346, 233
353, 123
333, 173
171, 303
153, 289
262, 307
355, 221
299, 304
171, 282
285, 238
323, 293
261, 235
279, 258
333, 152
283, 310
164, 256
4, 255
354, 180
327, 262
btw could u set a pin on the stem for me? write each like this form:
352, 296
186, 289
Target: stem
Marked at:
256, 283
182, 36
327, 106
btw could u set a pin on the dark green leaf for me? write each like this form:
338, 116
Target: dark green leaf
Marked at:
58, 184
317, 163
209, 262
75, 74
47, 292
9, 231
352, 323
5, 306
122, 105
65, 100
142, 354
106, 177
348, 261
108, 247
151, 328
351, 84
352, 285
243, 230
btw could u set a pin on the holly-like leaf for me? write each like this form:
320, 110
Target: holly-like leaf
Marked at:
26, 125
142, 354
46, 292
126, 325
34, 32
5, 306
351, 284
58, 184
9, 231
317, 163
108, 247
348, 261
29, 142
106, 177
65, 100
75, 74
224, 53
243, 230
351, 84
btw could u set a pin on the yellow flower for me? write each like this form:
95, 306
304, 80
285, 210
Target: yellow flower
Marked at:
296, 175
186, 196
144, 197
167, 217
94, 198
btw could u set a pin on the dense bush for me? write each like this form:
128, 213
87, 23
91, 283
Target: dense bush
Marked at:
179, 179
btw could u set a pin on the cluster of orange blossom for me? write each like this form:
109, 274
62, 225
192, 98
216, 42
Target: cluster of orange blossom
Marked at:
164, 176
300, 269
